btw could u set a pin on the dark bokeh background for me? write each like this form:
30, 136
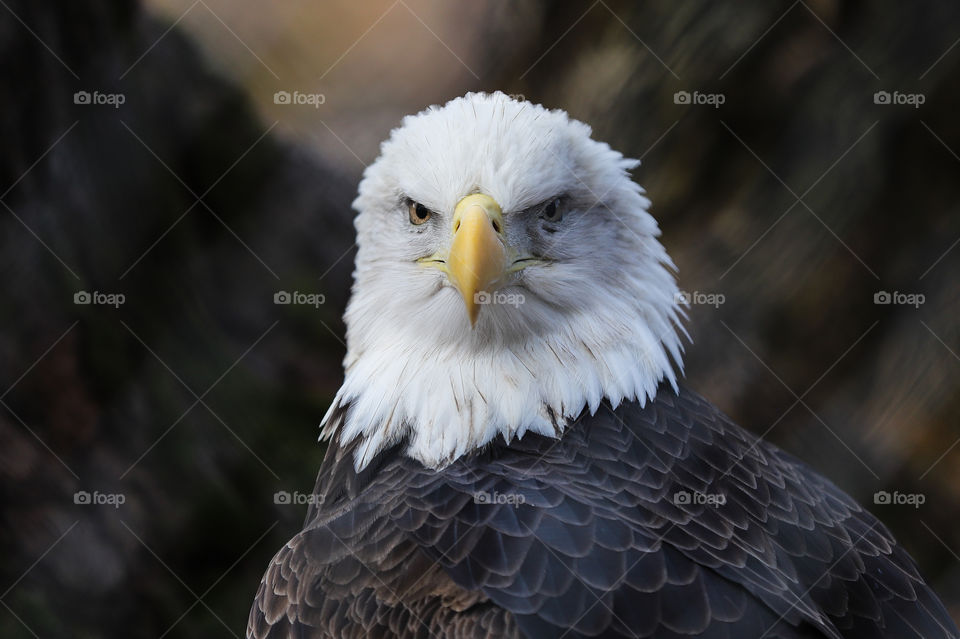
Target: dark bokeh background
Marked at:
199, 198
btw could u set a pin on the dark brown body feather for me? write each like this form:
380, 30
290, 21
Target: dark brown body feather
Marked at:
603, 543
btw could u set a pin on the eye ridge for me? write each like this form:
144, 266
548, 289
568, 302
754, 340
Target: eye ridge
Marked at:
418, 213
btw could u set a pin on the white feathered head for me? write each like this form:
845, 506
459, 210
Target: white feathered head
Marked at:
508, 277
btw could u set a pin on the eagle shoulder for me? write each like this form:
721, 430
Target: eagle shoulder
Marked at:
663, 520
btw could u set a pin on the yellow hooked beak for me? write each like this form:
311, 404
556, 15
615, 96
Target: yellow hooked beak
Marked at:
478, 259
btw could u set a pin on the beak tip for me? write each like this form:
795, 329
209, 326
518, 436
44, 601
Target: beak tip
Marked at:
473, 313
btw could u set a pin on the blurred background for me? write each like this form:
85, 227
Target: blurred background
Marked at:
169, 166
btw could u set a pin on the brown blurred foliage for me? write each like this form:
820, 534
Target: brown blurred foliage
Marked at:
797, 199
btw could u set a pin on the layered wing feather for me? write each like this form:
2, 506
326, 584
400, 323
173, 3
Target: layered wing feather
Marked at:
661, 521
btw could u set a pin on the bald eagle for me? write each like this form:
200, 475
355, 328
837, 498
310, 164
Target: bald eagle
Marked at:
511, 453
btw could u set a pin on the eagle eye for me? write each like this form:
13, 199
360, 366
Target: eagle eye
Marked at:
418, 213
552, 212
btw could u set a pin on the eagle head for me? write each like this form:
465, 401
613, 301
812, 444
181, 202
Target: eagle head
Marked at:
508, 277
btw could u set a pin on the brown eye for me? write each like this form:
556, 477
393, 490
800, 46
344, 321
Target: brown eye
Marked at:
418, 213
552, 212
